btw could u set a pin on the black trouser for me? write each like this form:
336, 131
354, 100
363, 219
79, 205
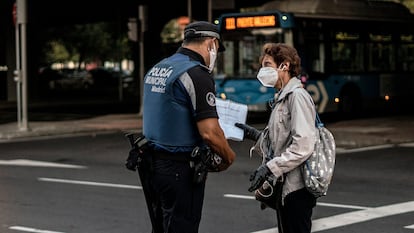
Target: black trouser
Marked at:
296, 213
181, 200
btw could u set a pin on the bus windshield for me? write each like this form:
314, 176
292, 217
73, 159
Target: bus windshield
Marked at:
241, 58
243, 36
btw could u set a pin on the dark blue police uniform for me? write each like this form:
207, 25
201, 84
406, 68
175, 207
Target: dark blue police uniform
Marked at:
178, 92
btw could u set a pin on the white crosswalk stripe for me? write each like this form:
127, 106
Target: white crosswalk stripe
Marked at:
355, 217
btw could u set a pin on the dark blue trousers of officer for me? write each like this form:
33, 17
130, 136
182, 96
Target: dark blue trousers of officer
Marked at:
181, 200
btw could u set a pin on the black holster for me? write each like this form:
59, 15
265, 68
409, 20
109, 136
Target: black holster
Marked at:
203, 160
140, 159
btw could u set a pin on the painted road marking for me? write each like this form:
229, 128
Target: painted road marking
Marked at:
140, 187
29, 229
409, 227
355, 217
409, 144
89, 183
368, 148
318, 203
238, 196
34, 163
356, 207
362, 215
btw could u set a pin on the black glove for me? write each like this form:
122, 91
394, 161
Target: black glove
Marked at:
132, 160
258, 177
249, 131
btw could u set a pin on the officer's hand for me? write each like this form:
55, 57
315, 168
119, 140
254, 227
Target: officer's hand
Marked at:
249, 131
258, 177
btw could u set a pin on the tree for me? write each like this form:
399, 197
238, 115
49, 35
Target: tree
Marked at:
409, 4
85, 43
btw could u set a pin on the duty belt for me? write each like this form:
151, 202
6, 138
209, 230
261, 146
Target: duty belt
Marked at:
179, 156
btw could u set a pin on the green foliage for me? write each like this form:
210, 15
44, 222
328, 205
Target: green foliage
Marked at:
55, 52
171, 32
85, 43
409, 4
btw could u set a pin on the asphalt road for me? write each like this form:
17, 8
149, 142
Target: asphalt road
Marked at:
79, 184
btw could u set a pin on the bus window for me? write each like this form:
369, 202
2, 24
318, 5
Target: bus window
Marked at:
406, 56
248, 56
380, 57
311, 47
241, 58
347, 57
406, 53
315, 56
225, 68
380, 53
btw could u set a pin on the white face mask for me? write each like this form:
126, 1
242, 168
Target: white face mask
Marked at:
268, 76
213, 57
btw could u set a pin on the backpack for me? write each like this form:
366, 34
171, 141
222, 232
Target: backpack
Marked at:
317, 170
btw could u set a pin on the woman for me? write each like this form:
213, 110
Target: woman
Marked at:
289, 137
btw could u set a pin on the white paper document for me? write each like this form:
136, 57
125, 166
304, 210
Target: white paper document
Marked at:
230, 113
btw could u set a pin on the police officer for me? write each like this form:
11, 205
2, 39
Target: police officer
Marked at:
179, 114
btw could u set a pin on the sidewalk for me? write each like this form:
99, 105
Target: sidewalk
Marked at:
100, 124
348, 134
373, 131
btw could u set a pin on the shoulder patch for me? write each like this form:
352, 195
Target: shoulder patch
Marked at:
211, 99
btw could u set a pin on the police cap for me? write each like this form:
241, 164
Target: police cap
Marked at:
203, 29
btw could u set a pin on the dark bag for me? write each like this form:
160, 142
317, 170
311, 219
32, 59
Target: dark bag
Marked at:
270, 194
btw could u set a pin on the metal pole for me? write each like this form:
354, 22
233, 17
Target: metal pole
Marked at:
118, 56
143, 27
21, 22
209, 8
17, 77
141, 76
25, 125
189, 7
120, 84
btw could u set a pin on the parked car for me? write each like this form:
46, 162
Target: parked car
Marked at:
106, 77
103, 77
71, 79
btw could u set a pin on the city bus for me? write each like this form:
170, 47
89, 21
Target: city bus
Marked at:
356, 55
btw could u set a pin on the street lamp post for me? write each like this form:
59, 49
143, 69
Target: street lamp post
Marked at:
21, 64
